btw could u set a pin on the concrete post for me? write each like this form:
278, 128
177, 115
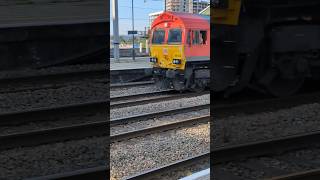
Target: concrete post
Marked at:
147, 46
133, 51
116, 38
140, 50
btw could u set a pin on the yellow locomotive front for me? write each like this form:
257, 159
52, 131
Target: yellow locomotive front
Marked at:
166, 48
167, 56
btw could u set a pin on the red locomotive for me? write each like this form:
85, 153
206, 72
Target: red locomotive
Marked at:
180, 50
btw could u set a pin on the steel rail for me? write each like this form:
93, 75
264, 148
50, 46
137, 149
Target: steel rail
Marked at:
100, 172
270, 147
131, 84
146, 116
79, 131
48, 78
167, 168
41, 114
287, 143
153, 97
224, 109
308, 174
240, 152
45, 136
161, 128
117, 99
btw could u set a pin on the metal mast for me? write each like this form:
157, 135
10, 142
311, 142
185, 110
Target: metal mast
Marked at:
115, 29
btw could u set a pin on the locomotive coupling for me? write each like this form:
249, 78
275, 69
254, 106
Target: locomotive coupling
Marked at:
171, 73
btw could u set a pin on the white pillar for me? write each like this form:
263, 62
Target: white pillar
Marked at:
140, 48
147, 46
115, 29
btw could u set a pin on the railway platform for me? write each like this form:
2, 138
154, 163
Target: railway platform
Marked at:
126, 70
201, 175
16, 13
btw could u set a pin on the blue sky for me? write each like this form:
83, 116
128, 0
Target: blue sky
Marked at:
141, 10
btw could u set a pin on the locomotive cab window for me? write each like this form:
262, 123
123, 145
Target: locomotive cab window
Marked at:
195, 37
203, 37
199, 37
189, 38
175, 36
158, 36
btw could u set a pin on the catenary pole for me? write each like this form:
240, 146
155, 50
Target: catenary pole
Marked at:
133, 53
115, 18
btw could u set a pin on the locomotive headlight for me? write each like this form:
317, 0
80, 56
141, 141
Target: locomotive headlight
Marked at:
153, 60
176, 61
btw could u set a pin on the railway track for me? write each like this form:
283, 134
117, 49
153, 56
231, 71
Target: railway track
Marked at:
156, 173
146, 116
48, 113
97, 127
222, 155
243, 152
47, 81
100, 172
161, 128
223, 109
131, 84
308, 174
246, 155
51, 135
138, 99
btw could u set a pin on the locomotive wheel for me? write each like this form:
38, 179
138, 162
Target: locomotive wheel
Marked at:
281, 87
178, 85
287, 77
162, 83
198, 87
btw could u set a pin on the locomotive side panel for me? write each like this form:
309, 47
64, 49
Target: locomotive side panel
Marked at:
272, 46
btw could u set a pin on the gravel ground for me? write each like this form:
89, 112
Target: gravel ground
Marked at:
116, 92
241, 129
290, 162
159, 106
50, 70
140, 154
78, 93
42, 160
157, 121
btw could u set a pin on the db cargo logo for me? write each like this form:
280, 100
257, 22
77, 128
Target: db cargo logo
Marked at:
165, 51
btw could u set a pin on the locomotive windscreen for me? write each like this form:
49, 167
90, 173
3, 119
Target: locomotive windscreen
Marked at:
175, 36
158, 36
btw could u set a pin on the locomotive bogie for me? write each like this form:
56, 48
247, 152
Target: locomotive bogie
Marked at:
273, 46
195, 77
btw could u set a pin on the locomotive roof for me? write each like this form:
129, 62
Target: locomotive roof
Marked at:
188, 19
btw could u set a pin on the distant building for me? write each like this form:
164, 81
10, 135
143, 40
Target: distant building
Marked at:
205, 11
190, 6
197, 6
153, 16
177, 5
